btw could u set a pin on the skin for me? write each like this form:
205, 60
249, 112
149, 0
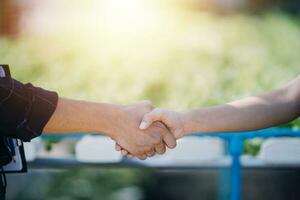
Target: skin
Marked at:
251, 113
121, 123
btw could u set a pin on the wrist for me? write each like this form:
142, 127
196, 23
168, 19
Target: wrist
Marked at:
184, 116
191, 123
109, 118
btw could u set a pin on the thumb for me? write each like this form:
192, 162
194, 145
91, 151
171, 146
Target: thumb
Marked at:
149, 118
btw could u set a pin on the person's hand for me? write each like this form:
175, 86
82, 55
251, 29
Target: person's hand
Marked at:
159, 130
173, 120
137, 142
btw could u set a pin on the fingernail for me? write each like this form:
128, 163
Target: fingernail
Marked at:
143, 125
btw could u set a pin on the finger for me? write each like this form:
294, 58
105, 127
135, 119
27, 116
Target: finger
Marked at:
160, 149
151, 153
118, 147
149, 118
124, 152
130, 156
142, 157
169, 139
157, 139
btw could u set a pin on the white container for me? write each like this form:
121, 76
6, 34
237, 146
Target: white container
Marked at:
281, 151
32, 148
190, 151
97, 149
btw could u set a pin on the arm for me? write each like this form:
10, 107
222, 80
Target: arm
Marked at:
27, 111
74, 116
118, 122
252, 113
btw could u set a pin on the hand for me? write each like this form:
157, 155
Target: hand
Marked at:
173, 120
163, 133
141, 143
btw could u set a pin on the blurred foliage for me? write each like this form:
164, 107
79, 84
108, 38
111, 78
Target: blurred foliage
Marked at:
201, 60
49, 143
252, 147
185, 60
78, 184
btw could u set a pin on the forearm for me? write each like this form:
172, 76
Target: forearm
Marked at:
251, 113
72, 116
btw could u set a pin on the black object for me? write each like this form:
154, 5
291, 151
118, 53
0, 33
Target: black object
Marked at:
24, 108
16, 151
10, 150
6, 155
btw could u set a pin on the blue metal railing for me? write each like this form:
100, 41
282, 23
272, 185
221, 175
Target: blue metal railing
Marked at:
235, 141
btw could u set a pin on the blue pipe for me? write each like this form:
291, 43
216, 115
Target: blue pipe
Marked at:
235, 150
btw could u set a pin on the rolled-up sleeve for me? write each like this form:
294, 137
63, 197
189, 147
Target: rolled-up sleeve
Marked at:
24, 109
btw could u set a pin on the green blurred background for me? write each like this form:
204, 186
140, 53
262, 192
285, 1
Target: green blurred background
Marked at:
178, 55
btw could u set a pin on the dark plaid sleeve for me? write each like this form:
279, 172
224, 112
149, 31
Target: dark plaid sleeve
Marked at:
24, 109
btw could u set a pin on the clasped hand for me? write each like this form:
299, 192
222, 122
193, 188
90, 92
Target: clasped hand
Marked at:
143, 133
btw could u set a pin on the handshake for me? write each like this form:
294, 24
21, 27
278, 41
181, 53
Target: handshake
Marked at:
147, 131
141, 130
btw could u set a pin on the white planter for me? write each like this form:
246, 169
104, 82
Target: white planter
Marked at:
281, 151
191, 151
32, 148
97, 149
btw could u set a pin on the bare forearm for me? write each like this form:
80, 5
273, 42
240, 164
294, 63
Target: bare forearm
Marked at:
257, 112
72, 116
251, 113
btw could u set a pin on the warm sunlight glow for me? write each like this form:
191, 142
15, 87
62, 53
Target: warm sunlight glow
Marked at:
127, 15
